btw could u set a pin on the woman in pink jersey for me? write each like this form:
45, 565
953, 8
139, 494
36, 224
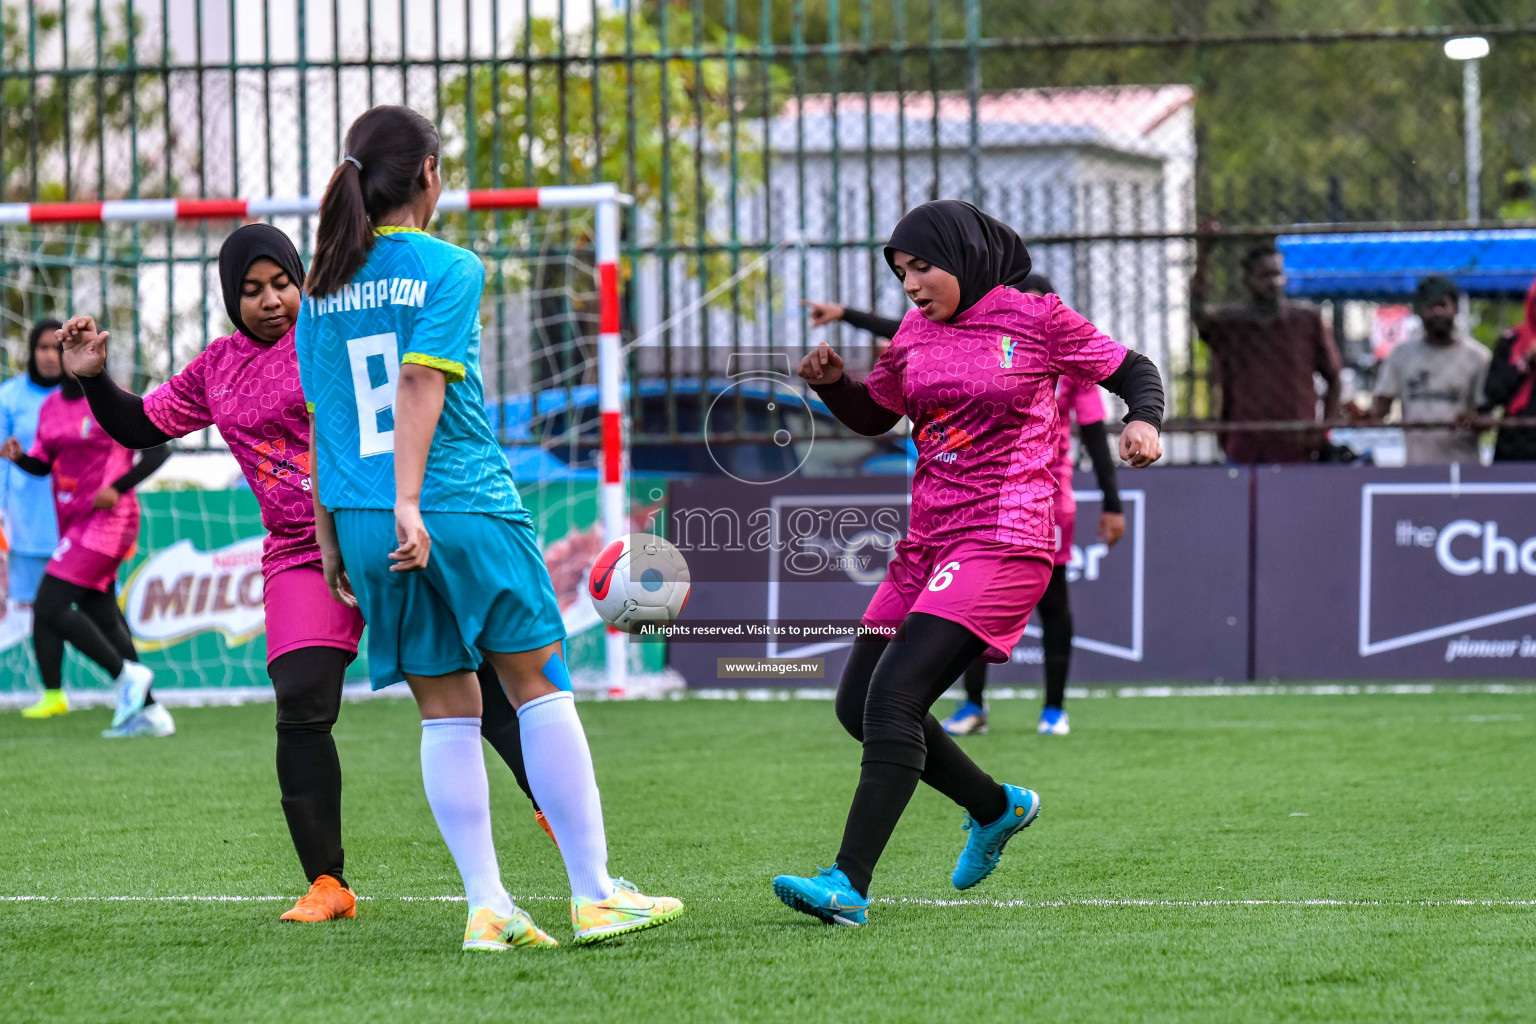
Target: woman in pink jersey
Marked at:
98, 514
247, 384
975, 368
1074, 401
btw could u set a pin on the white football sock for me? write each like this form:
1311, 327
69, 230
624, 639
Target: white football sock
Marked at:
559, 766
453, 773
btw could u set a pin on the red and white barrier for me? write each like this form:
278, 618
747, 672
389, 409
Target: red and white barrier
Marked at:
149, 211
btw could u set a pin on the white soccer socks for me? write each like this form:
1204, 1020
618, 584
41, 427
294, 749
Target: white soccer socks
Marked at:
453, 773
559, 766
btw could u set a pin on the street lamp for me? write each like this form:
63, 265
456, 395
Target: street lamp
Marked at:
1470, 50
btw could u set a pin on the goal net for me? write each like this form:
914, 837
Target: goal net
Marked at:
192, 590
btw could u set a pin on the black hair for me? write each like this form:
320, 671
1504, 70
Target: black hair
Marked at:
1038, 282
1434, 288
40, 330
1263, 250
382, 171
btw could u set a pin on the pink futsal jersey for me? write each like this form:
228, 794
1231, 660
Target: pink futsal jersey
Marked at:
981, 393
250, 391
1074, 401
84, 460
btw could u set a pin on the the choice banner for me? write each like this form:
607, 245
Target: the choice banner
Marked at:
192, 592
1395, 574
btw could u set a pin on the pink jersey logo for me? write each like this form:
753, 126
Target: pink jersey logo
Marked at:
1005, 353
949, 438
85, 426
278, 464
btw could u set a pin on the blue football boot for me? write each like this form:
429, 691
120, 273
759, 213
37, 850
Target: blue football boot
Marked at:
828, 896
984, 846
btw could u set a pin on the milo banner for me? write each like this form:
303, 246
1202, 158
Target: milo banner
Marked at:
786, 572
1395, 574
192, 592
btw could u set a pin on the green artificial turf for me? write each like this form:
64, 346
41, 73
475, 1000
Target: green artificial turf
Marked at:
1395, 805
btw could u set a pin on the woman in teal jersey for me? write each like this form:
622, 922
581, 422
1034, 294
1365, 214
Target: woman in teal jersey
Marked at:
421, 525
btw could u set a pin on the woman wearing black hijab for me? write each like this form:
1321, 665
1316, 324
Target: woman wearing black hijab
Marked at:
247, 384
1055, 607
30, 525
975, 367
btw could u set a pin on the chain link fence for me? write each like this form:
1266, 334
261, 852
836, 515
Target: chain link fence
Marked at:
770, 148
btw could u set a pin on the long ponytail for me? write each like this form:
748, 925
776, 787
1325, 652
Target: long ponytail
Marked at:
385, 150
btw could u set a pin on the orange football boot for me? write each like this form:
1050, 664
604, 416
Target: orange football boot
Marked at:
538, 816
326, 900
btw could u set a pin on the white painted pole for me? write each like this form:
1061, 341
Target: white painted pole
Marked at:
1472, 102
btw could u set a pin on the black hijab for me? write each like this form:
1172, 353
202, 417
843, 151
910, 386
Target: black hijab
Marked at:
242, 248
981, 251
40, 330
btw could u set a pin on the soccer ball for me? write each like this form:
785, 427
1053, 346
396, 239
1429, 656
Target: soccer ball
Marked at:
639, 579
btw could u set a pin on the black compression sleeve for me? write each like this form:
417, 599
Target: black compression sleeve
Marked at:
851, 403
1096, 440
1137, 382
150, 459
35, 466
875, 324
121, 413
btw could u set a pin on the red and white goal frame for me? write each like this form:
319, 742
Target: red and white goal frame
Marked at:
603, 199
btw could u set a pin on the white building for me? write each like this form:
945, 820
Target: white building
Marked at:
1067, 164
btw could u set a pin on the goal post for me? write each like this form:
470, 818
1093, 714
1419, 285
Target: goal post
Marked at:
598, 205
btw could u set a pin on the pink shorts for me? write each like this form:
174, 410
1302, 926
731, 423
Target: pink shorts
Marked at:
987, 587
75, 563
302, 613
1066, 528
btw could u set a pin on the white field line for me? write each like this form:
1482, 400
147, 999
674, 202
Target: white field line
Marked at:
215, 696
759, 694
890, 901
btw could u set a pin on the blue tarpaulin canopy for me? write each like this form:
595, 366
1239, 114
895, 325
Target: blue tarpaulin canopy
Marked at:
1384, 264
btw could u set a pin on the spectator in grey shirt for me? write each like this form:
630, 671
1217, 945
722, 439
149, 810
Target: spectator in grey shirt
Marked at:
1438, 377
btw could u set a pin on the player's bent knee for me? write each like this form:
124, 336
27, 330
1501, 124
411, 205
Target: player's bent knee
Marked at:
850, 714
529, 675
891, 721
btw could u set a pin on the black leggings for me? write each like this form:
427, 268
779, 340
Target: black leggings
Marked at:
498, 724
888, 685
1056, 624
308, 683
88, 619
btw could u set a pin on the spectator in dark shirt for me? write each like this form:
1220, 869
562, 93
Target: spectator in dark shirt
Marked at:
1264, 354
1511, 376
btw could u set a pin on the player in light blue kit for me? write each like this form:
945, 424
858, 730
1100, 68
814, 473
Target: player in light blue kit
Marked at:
26, 500
429, 535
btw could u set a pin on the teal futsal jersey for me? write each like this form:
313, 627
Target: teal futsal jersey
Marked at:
416, 300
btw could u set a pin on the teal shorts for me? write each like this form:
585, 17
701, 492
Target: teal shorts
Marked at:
485, 587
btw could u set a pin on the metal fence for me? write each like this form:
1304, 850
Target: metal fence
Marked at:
770, 147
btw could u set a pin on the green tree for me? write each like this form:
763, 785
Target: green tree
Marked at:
33, 126
550, 122
43, 115
661, 128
